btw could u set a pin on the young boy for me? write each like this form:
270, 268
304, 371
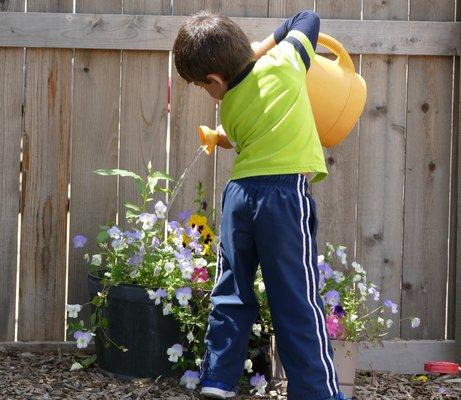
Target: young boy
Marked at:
268, 216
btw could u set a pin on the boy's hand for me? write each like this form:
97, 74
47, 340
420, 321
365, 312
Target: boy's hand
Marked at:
261, 48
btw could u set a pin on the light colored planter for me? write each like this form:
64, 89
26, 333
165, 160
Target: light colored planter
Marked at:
345, 360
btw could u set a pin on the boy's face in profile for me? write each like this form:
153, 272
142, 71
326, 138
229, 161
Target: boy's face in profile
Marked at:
216, 86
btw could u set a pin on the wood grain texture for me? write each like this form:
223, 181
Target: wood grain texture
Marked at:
95, 119
427, 183
190, 107
11, 125
458, 219
45, 180
336, 196
382, 163
144, 109
149, 32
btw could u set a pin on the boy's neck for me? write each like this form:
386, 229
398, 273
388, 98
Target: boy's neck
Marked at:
241, 75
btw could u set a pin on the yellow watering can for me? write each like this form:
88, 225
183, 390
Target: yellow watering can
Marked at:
336, 92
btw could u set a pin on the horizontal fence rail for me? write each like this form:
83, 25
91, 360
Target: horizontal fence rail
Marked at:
153, 32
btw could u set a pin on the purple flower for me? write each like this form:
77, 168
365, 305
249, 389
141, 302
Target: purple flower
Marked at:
193, 233
174, 226
114, 232
197, 247
83, 338
138, 257
158, 295
325, 269
155, 242
79, 241
118, 244
332, 298
338, 311
183, 295
321, 281
184, 215
392, 306
131, 236
182, 254
259, 383
190, 379
148, 220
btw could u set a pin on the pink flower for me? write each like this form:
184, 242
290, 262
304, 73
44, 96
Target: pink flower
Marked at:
335, 328
200, 275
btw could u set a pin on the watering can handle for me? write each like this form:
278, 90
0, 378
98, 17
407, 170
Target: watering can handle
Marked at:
336, 48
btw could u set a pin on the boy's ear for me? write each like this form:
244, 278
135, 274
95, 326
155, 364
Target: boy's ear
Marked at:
216, 78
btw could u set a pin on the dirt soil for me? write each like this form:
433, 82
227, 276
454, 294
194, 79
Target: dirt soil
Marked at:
47, 376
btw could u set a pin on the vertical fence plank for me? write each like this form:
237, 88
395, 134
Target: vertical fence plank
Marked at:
190, 107
457, 293
225, 157
336, 196
11, 94
427, 182
382, 162
95, 120
144, 107
287, 8
44, 188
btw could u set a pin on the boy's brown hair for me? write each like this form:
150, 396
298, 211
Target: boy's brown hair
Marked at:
210, 43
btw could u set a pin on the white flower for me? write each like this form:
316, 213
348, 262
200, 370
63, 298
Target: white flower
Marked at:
357, 278
380, 320
257, 329
174, 352
415, 322
190, 379
374, 292
358, 268
186, 269
249, 366
86, 257
190, 336
261, 287
338, 276
354, 317
389, 323
160, 209
148, 220
183, 295
73, 310
320, 259
169, 267
201, 262
198, 362
362, 288
177, 240
76, 365
83, 338
157, 295
340, 252
167, 309
108, 274
96, 260
157, 271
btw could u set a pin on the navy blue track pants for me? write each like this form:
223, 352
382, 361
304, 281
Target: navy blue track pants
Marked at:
271, 221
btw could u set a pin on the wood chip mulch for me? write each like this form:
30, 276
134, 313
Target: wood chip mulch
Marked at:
25, 375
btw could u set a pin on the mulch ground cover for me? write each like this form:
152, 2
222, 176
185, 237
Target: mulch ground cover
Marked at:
30, 376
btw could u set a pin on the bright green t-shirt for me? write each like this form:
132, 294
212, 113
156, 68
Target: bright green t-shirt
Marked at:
268, 118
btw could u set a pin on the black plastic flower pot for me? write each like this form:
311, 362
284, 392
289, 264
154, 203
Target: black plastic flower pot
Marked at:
136, 323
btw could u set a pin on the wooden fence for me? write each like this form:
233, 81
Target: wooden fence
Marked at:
71, 101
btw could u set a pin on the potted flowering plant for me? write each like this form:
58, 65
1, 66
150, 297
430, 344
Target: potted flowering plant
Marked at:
149, 284
354, 313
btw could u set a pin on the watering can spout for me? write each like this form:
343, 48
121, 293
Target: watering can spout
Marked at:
336, 92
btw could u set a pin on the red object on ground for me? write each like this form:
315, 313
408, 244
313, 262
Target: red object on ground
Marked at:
442, 367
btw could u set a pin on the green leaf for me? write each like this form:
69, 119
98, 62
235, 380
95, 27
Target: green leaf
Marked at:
104, 322
130, 214
102, 236
88, 361
131, 206
122, 172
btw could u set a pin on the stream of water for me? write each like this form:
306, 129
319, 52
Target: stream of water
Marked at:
183, 177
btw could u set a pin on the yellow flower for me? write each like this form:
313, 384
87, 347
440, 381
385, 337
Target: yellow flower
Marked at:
208, 235
198, 221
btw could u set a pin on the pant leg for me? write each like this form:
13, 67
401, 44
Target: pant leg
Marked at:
234, 304
285, 228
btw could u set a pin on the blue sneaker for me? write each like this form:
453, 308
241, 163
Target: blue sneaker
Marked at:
217, 390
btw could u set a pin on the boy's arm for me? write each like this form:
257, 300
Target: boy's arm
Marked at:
307, 22
223, 139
